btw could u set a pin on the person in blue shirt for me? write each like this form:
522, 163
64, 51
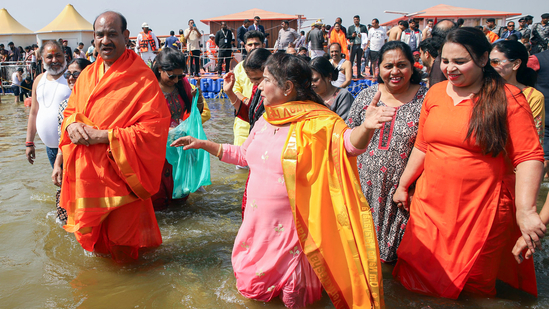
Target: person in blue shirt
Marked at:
172, 41
510, 31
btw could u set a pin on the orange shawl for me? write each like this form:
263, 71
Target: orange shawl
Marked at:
332, 218
492, 37
127, 101
341, 38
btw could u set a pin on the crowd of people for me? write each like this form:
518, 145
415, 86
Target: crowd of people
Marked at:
435, 169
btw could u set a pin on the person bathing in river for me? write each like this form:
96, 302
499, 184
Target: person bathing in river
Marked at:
48, 91
281, 235
76, 66
509, 59
478, 164
169, 67
381, 166
113, 140
248, 110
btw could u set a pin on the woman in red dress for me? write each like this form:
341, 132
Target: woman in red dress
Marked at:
474, 132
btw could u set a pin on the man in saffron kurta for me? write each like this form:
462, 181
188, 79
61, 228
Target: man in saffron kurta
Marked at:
339, 36
113, 142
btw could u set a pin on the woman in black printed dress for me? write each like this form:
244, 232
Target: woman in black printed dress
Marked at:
381, 166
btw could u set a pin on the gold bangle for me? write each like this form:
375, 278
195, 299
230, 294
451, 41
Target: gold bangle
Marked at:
219, 150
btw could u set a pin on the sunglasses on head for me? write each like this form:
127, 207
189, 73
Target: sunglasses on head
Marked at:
74, 74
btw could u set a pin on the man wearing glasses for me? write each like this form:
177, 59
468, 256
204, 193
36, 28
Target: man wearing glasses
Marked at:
256, 26
510, 31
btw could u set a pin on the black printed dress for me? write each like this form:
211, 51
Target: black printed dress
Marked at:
381, 166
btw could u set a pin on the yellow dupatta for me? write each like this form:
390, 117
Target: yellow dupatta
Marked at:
332, 217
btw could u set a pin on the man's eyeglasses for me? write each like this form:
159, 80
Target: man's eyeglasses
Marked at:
496, 62
74, 74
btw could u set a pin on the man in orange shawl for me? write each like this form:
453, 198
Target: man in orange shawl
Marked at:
490, 36
339, 36
113, 141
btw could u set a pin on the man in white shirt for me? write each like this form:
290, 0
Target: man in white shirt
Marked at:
286, 35
427, 31
90, 54
48, 91
16, 79
376, 38
192, 35
300, 41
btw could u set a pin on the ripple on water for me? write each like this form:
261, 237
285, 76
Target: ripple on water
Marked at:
43, 266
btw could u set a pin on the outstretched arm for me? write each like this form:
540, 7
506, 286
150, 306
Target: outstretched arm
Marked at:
189, 142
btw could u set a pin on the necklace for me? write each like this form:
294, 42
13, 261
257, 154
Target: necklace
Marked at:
330, 97
44, 95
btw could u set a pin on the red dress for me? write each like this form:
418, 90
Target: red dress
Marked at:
462, 219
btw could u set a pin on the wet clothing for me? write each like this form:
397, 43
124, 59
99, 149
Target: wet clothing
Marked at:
107, 188
269, 253
381, 166
462, 224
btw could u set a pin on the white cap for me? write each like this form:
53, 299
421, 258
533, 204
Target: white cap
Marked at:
211, 35
145, 25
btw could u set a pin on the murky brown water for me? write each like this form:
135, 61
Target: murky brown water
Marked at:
42, 266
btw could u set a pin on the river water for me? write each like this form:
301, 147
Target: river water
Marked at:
42, 266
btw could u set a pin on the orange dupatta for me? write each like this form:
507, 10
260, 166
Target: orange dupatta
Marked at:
340, 38
127, 101
332, 217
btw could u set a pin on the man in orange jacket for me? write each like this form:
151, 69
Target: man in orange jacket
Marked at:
113, 142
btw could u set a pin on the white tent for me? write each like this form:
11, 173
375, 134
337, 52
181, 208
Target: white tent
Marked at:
12, 31
68, 25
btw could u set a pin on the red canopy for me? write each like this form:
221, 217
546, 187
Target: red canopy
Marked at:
443, 11
250, 14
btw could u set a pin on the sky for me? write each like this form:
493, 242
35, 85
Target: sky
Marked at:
165, 15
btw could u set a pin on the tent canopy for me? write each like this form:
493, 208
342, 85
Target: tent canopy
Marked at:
442, 11
9, 26
250, 14
68, 20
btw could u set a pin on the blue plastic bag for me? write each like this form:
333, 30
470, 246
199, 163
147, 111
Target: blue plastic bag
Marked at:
191, 168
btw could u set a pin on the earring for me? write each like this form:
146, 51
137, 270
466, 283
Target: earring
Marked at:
285, 94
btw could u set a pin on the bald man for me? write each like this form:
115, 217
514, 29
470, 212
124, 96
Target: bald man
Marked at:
113, 143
